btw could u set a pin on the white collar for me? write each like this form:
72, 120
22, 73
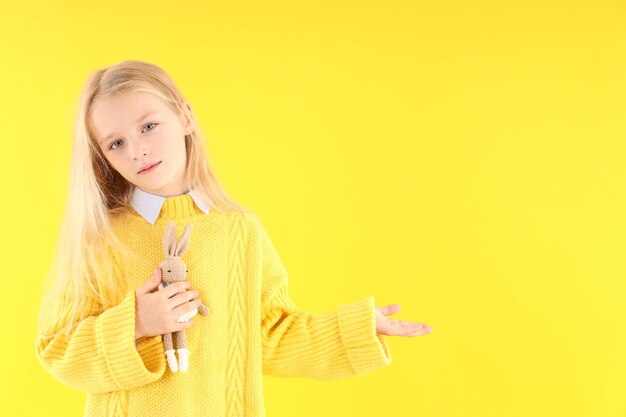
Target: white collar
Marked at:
149, 205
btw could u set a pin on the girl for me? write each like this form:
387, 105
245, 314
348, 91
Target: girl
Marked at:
139, 163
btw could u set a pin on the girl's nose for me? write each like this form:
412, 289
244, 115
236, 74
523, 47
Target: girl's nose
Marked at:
138, 149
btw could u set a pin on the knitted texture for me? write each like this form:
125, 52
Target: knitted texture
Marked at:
254, 328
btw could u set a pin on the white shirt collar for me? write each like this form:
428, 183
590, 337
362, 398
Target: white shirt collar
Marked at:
149, 205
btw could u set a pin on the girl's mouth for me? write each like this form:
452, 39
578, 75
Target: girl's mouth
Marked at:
152, 168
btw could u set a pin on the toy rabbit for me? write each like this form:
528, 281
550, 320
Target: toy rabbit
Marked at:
173, 270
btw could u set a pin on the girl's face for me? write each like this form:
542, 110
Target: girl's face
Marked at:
137, 129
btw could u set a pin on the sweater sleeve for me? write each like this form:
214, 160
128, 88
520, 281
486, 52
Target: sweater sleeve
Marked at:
325, 346
100, 356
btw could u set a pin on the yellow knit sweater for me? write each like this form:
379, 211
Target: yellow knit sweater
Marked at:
253, 329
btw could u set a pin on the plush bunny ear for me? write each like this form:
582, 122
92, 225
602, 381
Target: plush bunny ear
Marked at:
169, 239
183, 243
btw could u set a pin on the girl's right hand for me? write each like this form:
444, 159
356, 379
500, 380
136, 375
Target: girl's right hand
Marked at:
156, 312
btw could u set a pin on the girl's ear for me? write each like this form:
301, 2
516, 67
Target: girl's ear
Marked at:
183, 243
169, 239
187, 119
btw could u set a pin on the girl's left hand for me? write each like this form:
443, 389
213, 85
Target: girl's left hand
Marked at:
391, 327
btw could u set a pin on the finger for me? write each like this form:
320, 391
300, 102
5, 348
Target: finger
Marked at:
410, 323
406, 331
186, 307
417, 330
404, 327
152, 283
174, 288
390, 309
181, 298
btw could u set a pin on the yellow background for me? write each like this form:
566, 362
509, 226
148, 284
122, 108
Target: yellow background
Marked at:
462, 159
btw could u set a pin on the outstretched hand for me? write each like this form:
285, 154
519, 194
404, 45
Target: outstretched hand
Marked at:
391, 327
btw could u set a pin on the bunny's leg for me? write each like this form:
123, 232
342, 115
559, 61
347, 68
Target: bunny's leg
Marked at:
169, 352
183, 352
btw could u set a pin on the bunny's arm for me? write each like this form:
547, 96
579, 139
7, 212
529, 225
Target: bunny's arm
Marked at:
98, 356
325, 346
204, 310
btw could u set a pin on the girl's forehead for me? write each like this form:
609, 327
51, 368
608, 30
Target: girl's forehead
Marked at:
128, 105
128, 100
114, 113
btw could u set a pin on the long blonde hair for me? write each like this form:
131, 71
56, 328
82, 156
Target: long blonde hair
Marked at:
82, 279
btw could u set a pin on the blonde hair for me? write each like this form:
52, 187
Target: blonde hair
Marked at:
82, 279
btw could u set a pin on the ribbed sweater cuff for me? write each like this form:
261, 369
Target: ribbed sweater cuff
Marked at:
366, 349
129, 366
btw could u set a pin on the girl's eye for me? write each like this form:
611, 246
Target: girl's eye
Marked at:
150, 124
111, 147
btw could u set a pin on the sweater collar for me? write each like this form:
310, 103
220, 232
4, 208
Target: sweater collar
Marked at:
151, 206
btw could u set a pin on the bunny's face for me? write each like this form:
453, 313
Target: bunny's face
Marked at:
172, 267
